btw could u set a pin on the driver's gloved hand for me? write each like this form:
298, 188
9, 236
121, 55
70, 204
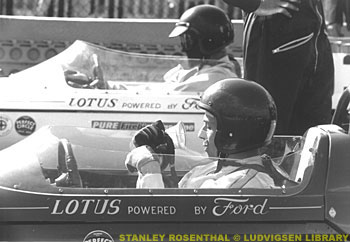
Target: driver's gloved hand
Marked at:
154, 152
154, 136
144, 157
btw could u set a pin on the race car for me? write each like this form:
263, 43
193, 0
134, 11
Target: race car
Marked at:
66, 132
88, 85
99, 201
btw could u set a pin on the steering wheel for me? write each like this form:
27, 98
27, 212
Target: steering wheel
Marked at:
341, 115
81, 80
77, 79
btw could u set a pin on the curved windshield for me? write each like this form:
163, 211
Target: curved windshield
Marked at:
91, 66
88, 66
90, 62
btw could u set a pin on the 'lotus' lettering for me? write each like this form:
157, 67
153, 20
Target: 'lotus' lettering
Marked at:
93, 102
86, 206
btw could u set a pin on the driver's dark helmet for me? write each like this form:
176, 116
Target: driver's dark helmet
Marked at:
245, 112
206, 25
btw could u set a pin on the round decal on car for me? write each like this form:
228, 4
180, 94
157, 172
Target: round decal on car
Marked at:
5, 125
98, 235
25, 125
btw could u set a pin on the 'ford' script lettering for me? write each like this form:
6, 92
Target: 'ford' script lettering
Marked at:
93, 102
232, 206
190, 103
87, 206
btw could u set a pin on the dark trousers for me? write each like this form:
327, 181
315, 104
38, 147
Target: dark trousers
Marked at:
300, 78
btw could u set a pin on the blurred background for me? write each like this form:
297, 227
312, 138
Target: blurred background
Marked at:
35, 30
155, 9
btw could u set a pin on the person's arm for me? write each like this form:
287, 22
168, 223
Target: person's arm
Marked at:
246, 5
153, 153
146, 162
199, 83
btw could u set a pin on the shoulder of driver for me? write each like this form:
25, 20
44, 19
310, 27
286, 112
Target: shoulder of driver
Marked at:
204, 176
207, 76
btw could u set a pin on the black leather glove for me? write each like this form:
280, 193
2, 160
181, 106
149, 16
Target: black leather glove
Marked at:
154, 136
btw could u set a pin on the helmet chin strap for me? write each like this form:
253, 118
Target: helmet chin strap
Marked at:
217, 54
194, 53
212, 59
222, 156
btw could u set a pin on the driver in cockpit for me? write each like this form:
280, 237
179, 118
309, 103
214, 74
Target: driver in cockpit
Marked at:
205, 31
239, 119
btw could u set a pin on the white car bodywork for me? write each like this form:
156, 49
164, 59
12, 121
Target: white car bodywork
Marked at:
136, 95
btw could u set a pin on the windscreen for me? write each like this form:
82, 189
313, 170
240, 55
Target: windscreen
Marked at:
90, 66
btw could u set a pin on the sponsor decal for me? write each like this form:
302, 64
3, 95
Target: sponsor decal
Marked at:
141, 105
106, 207
118, 125
112, 206
233, 206
25, 125
190, 103
152, 210
86, 206
98, 236
121, 125
236, 206
5, 125
93, 102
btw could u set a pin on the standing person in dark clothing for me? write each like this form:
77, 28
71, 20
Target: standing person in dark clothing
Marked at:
287, 51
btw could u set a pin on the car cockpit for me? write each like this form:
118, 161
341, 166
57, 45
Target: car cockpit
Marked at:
82, 166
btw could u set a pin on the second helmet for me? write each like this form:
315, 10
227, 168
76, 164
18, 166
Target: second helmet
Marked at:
207, 24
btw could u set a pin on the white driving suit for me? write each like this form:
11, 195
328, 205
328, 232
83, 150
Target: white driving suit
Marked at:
200, 77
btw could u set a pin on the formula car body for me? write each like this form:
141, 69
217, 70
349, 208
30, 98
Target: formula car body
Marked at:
34, 207
96, 99
91, 86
